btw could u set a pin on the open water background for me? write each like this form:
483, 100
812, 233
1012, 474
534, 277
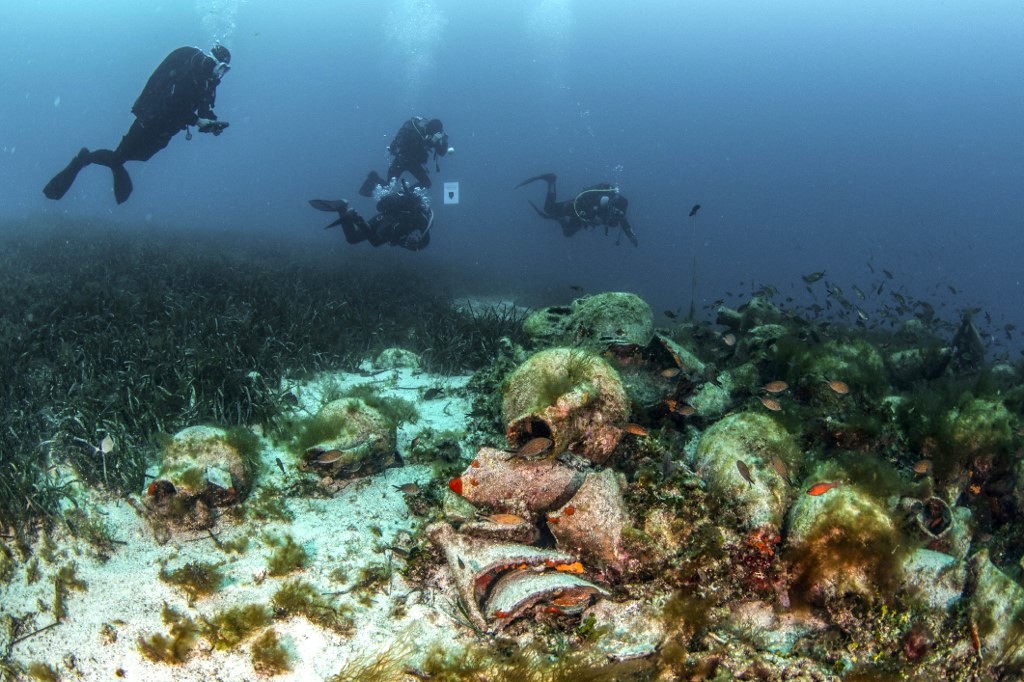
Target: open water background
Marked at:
816, 135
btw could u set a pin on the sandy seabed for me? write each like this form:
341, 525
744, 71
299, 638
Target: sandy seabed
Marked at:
348, 532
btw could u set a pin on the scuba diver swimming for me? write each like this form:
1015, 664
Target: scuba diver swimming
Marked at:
404, 217
180, 93
411, 149
600, 204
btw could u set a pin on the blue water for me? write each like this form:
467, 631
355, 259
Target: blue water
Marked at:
816, 135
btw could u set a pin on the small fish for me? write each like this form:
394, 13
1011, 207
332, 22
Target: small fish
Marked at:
862, 315
575, 287
839, 387
669, 314
780, 468
571, 600
729, 339
685, 410
775, 386
813, 277
505, 519
887, 273
107, 445
670, 373
535, 447
280, 465
329, 457
744, 470
408, 488
693, 211
821, 488
771, 403
858, 292
952, 289
922, 467
635, 430
575, 567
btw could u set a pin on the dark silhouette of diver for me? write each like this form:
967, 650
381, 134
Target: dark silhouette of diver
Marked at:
411, 149
404, 217
600, 204
179, 94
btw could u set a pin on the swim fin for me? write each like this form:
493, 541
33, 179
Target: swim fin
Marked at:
546, 177
340, 207
122, 183
59, 185
372, 180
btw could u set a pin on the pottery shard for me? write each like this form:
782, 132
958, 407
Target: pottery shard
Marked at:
523, 532
474, 562
505, 483
591, 523
517, 592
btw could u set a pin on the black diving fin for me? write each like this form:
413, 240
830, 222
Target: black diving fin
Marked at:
340, 207
541, 213
59, 185
546, 177
122, 183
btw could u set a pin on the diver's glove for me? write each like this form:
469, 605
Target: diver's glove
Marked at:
209, 126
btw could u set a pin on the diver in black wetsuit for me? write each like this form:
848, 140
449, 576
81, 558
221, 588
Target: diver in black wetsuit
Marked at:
411, 148
404, 217
600, 204
179, 94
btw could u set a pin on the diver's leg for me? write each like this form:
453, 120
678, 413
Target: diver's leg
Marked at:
355, 227
379, 230
550, 205
60, 183
370, 183
397, 167
569, 226
140, 143
420, 173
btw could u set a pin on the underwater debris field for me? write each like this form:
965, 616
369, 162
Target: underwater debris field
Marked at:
214, 460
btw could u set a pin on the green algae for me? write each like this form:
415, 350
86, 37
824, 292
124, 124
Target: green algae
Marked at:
299, 598
287, 558
64, 582
227, 628
268, 654
43, 672
176, 645
196, 578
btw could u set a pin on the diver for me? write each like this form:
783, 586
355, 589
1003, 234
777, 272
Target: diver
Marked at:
404, 217
411, 148
600, 204
179, 94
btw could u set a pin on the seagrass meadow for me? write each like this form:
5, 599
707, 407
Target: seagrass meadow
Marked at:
132, 333
239, 456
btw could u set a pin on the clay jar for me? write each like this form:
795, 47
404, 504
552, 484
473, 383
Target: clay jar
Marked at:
571, 396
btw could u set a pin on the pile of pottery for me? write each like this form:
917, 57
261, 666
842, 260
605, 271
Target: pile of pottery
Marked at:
564, 410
